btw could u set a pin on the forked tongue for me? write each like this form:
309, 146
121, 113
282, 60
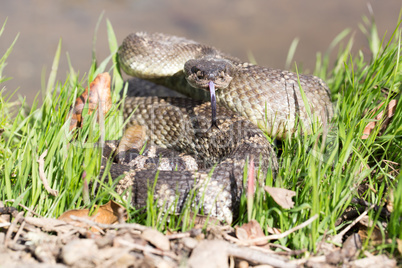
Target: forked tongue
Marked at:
213, 103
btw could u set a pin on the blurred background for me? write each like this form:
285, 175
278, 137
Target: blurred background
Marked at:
262, 28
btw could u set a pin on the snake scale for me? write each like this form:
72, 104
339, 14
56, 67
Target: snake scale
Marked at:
251, 100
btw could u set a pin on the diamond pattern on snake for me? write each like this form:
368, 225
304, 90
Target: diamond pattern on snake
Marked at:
221, 122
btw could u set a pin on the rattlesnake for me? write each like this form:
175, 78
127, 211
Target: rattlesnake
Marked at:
252, 100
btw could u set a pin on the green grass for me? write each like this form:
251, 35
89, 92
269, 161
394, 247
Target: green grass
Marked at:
325, 169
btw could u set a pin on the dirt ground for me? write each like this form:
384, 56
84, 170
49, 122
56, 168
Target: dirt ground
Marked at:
27, 241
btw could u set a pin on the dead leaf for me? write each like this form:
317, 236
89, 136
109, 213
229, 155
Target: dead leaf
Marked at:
376, 236
133, 137
273, 230
209, 253
249, 231
334, 257
390, 110
99, 93
367, 130
105, 214
351, 246
282, 197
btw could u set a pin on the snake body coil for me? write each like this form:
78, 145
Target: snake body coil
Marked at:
270, 98
249, 97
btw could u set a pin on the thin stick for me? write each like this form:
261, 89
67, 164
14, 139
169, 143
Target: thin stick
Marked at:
30, 210
280, 246
17, 235
234, 240
147, 249
282, 235
42, 175
178, 235
258, 256
338, 237
10, 230
110, 226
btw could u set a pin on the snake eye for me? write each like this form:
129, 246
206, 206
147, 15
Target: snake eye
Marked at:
194, 69
200, 74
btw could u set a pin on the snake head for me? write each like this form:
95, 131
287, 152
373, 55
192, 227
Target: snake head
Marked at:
199, 72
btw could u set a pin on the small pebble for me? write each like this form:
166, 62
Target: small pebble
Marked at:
190, 242
79, 250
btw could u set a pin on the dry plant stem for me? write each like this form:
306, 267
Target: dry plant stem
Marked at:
11, 228
42, 176
17, 235
338, 237
147, 249
391, 162
234, 240
296, 252
280, 246
178, 236
120, 216
314, 259
383, 210
279, 236
241, 243
67, 235
30, 210
262, 249
110, 226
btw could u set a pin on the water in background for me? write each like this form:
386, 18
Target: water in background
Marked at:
261, 28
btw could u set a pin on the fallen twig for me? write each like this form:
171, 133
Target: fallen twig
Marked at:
147, 249
110, 226
257, 256
178, 235
270, 237
279, 246
383, 210
17, 235
10, 230
30, 210
284, 234
338, 238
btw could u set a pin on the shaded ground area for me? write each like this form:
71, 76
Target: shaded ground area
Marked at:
81, 242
